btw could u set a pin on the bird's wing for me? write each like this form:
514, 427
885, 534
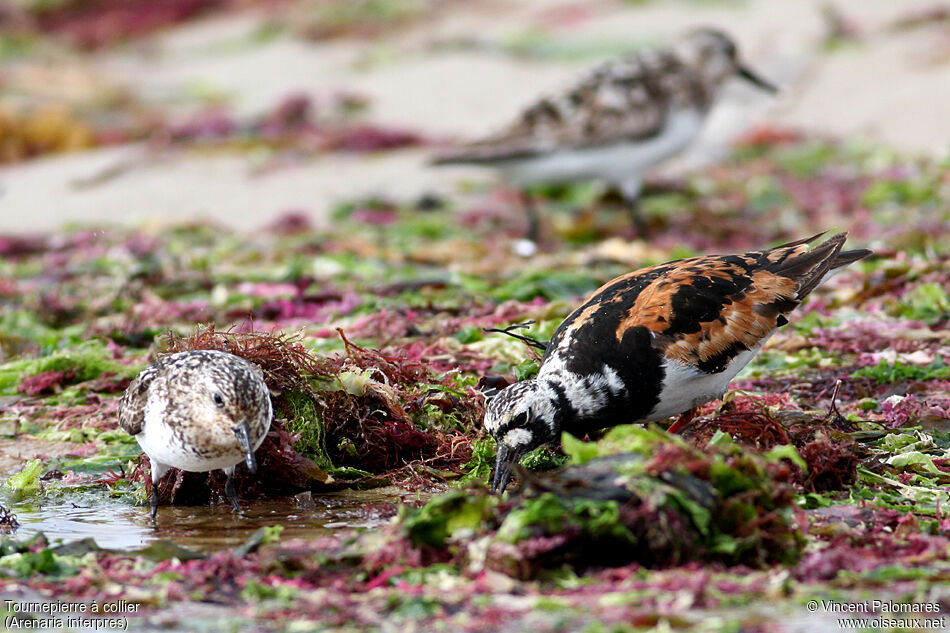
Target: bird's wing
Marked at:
621, 100
132, 403
704, 311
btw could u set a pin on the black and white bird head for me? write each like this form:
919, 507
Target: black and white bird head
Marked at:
714, 57
521, 418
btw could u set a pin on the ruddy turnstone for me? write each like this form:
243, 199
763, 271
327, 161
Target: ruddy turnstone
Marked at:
620, 120
199, 410
657, 342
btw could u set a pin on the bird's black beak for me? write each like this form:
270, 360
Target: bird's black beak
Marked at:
754, 79
242, 432
505, 460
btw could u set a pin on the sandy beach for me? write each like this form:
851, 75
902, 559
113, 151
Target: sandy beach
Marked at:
458, 74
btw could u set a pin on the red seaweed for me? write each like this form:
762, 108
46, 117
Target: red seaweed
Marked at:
46, 382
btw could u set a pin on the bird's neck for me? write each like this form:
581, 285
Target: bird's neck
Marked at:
578, 401
550, 408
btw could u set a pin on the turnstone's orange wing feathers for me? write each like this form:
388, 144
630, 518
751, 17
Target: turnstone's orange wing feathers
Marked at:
704, 310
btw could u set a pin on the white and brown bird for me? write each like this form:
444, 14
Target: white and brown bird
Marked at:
657, 342
199, 410
616, 123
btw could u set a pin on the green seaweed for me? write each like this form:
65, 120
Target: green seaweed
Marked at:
548, 514
526, 369
887, 372
542, 458
547, 284
45, 563
806, 160
469, 334
26, 483
627, 438
25, 324
304, 420
915, 190
279, 595
926, 302
87, 360
479, 468
437, 521
786, 451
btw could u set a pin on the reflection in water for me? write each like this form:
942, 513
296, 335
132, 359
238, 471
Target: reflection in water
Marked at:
112, 525
116, 525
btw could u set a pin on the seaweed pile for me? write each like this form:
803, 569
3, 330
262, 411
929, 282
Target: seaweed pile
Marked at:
659, 503
830, 448
341, 421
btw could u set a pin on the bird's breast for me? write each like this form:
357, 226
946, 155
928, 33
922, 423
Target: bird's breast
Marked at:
194, 439
618, 162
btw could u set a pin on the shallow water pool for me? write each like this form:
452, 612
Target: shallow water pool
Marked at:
116, 525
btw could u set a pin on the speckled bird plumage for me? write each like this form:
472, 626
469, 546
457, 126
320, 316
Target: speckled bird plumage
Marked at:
618, 121
657, 342
198, 411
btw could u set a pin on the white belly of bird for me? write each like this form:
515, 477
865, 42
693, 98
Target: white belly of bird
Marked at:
618, 163
162, 445
685, 387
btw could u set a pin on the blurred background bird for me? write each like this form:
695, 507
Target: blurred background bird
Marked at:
616, 123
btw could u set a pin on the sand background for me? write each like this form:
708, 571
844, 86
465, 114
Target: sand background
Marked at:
887, 85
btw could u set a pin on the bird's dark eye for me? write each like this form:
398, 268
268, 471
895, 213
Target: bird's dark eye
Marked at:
218, 400
731, 50
521, 419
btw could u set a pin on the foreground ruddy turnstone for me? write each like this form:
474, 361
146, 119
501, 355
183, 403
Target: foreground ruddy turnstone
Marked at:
657, 342
616, 123
199, 410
